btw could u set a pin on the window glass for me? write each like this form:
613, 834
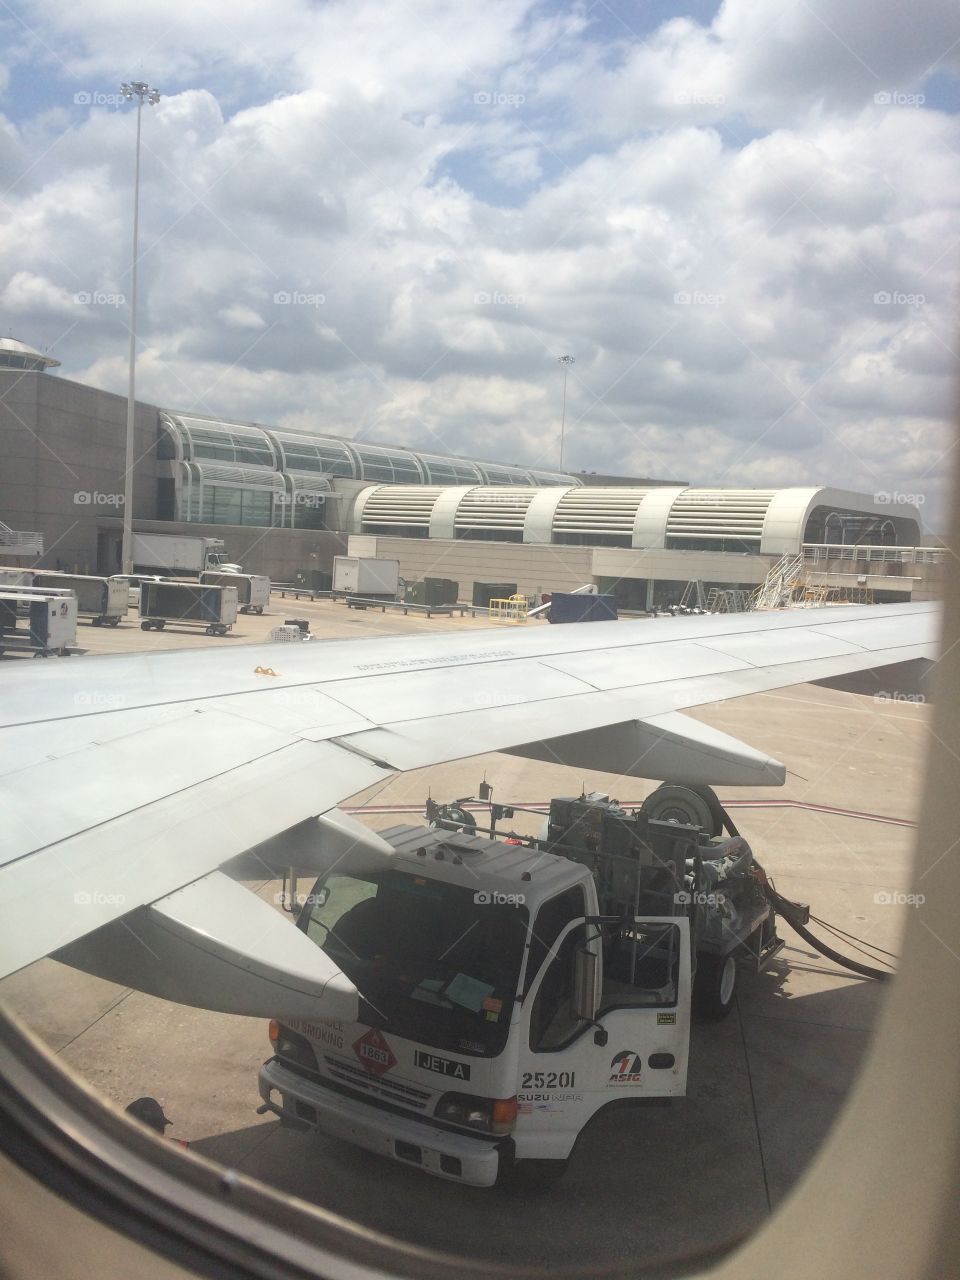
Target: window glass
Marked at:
431, 961
641, 966
552, 1019
551, 918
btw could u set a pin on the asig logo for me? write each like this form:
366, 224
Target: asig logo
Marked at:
625, 1067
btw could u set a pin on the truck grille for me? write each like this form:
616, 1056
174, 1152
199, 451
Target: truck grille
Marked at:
388, 1090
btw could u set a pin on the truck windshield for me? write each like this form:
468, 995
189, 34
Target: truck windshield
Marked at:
434, 962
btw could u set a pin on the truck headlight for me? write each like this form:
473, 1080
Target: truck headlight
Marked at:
491, 1115
287, 1044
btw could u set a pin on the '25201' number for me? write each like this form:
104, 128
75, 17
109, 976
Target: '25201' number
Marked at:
548, 1079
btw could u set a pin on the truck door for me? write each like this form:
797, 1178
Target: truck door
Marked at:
645, 1008
638, 1047
556, 1055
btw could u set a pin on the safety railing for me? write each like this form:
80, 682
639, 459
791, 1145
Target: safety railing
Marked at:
509, 610
819, 552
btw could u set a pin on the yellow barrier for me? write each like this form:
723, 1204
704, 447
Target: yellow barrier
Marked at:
511, 610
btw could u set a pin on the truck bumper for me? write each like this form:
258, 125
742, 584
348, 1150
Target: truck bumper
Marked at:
308, 1105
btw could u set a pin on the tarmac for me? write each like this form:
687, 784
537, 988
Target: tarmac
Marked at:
645, 1185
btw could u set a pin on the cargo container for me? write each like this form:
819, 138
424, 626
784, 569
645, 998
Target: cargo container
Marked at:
170, 553
569, 606
438, 591
189, 604
360, 576
484, 592
49, 618
253, 589
314, 579
102, 600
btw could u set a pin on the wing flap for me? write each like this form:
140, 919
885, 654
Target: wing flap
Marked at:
67, 890
333, 839
216, 945
671, 748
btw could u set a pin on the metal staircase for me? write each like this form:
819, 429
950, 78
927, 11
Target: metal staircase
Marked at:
777, 589
693, 596
729, 601
15, 543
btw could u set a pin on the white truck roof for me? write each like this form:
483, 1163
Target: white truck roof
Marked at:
478, 862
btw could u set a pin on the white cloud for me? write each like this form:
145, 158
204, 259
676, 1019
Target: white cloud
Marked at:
704, 218
239, 317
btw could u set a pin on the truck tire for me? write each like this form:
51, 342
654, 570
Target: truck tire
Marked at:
145, 626
114, 622
692, 806
96, 622
715, 986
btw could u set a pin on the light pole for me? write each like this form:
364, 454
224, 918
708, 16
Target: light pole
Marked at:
143, 93
566, 361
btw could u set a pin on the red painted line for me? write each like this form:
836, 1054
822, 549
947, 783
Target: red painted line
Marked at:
543, 806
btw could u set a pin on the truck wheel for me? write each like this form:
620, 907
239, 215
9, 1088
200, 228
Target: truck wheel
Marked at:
114, 622
211, 630
531, 1175
691, 806
145, 626
715, 986
259, 610
96, 622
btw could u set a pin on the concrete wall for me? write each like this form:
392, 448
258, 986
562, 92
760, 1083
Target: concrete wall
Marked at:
534, 569
918, 581
62, 459
679, 566
279, 553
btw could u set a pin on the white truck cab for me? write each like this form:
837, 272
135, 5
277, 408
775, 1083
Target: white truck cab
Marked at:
501, 1008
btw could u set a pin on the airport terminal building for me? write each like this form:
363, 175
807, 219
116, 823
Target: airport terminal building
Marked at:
287, 502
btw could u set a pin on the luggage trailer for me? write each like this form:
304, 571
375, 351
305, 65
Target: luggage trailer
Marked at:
50, 616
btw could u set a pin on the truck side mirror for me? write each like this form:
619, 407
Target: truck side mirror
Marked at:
585, 985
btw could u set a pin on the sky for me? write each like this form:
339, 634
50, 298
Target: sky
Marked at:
389, 220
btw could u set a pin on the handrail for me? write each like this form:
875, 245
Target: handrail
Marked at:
820, 551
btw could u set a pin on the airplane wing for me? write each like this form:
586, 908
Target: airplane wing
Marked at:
128, 782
